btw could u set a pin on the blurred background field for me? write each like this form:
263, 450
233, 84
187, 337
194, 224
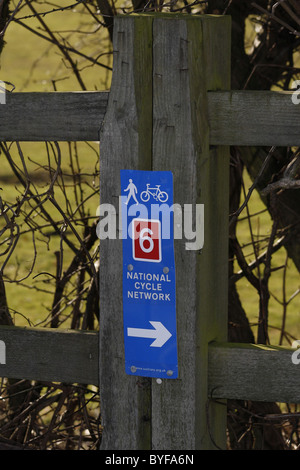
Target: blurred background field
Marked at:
35, 64
284, 304
30, 63
31, 299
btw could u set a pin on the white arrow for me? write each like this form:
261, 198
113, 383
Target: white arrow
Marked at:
160, 333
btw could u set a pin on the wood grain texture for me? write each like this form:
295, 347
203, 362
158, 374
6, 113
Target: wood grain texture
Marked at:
71, 116
191, 55
253, 372
50, 354
125, 144
237, 371
235, 117
253, 118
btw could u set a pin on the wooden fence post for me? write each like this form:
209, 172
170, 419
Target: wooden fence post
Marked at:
157, 118
190, 56
125, 142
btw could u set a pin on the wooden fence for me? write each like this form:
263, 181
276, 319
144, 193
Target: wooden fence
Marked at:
169, 108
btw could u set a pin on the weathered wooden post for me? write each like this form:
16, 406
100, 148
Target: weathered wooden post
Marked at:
157, 120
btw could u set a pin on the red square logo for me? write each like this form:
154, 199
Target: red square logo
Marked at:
146, 240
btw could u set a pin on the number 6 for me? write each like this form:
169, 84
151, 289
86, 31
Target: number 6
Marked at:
144, 238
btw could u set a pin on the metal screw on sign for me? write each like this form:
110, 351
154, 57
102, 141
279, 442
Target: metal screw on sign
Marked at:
166, 270
130, 267
133, 369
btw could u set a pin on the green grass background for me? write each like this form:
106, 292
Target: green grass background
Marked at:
31, 64
261, 225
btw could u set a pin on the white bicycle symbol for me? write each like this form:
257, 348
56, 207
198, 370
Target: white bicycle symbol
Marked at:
156, 193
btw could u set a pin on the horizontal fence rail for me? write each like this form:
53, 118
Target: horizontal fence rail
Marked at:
259, 118
253, 372
70, 116
235, 117
49, 354
235, 371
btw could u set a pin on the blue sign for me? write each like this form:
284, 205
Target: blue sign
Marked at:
149, 289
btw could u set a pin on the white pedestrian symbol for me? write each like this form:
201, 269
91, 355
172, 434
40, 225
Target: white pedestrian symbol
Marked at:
132, 192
